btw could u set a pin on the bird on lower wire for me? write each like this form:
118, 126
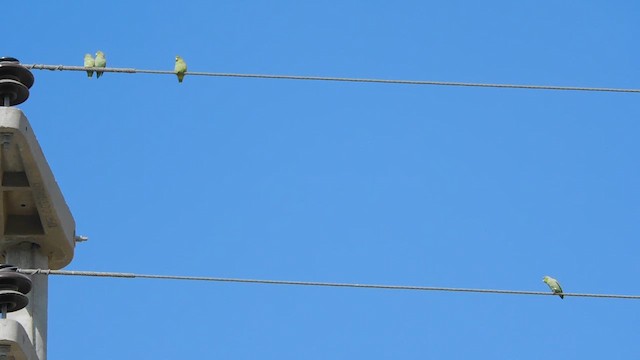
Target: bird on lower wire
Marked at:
554, 285
180, 68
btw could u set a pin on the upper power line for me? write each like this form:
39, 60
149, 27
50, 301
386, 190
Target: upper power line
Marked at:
312, 283
331, 78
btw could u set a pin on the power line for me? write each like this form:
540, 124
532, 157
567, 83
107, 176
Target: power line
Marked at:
309, 283
330, 78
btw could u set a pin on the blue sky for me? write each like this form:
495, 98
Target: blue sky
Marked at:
319, 181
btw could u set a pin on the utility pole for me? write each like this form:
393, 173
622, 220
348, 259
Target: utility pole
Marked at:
37, 229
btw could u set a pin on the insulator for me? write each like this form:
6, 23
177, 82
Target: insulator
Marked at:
15, 281
15, 90
7, 267
15, 81
13, 300
12, 280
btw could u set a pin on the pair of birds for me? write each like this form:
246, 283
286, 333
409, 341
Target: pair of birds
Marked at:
180, 67
554, 285
99, 61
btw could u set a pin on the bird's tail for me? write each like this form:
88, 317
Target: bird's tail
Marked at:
180, 77
89, 73
561, 296
98, 74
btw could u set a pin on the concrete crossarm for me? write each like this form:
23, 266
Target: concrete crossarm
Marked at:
32, 208
12, 334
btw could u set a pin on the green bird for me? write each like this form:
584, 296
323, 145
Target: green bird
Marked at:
89, 62
180, 68
554, 285
101, 61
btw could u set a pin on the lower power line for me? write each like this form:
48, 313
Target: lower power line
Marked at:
311, 283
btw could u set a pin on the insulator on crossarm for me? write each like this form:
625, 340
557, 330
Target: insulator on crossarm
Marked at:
15, 82
13, 288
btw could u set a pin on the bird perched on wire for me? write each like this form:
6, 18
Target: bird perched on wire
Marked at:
89, 62
554, 285
101, 61
180, 68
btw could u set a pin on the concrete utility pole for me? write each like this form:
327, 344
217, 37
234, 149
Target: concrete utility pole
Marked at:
36, 226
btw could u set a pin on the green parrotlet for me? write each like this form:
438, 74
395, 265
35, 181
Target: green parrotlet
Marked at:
554, 285
101, 61
89, 62
180, 68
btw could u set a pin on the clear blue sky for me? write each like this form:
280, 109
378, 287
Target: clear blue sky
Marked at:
318, 181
